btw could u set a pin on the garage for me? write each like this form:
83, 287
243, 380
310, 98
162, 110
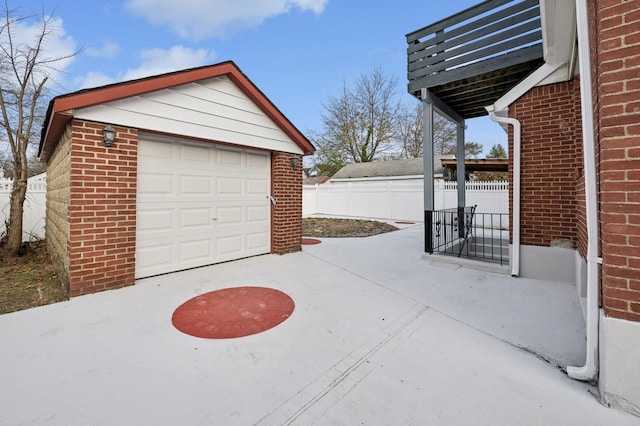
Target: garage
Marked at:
199, 204
167, 173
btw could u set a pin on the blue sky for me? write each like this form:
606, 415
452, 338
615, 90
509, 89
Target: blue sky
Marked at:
298, 52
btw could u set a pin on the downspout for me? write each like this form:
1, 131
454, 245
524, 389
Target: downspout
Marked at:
515, 218
590, 369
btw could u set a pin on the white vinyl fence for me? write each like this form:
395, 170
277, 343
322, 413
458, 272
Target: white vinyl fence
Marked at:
34, 206
399, 199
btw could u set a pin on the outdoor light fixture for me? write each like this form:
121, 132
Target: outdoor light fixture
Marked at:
294, 161
108, 136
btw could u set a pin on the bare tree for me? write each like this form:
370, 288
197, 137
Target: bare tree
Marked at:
409, 132
409, 135
25, 68
360, 124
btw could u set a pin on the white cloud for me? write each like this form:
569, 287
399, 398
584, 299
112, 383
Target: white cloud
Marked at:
153, 62
109, 50
198, 19
93, 79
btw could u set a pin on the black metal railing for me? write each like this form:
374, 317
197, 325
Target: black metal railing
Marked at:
465, 233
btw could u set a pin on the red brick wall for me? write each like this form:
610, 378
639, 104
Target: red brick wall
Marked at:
286, 227
617, 52
551, 163
102, 209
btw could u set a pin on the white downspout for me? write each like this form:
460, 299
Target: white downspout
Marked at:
515, 218
590, 369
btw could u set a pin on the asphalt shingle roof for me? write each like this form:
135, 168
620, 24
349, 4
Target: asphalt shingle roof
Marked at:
410, 167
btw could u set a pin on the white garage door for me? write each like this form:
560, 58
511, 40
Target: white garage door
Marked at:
198, 204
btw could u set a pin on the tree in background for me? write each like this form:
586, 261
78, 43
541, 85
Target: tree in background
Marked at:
497, 151
409, 136
360, 124
25, 68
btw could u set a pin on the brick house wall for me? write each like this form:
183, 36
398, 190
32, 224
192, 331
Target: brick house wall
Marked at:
102, 209
616, 49
551, 164
57, 206
286, 226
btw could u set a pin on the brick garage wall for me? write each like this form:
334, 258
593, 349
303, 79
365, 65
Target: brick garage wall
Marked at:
617, 58
57, 225
551, 163
102, 209
286, 229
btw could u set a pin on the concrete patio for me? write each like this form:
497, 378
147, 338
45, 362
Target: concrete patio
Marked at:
379, 336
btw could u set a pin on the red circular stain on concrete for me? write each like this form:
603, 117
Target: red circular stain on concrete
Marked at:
405, 223
233, 312
309, 241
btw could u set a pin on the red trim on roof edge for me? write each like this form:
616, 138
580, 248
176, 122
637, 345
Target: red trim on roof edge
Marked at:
61, 108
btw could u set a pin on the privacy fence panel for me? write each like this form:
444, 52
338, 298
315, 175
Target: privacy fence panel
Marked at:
398, 199
34, 207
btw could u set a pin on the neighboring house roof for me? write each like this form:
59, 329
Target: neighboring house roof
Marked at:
64, 107
315, 180
410, 167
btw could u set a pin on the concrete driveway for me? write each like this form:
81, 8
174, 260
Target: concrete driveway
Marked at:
379, 336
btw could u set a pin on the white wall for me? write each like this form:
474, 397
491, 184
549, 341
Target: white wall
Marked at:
34, 206
400, 199
619, 366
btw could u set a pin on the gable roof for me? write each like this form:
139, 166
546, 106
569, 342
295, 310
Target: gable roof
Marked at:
61, 108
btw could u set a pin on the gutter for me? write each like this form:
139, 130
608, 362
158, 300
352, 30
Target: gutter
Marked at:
515, 217
588, 371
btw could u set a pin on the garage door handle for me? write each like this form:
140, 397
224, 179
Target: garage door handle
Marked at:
214, 218
273, 200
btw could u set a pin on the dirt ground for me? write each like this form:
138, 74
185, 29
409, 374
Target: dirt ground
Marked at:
343, 228
30, 280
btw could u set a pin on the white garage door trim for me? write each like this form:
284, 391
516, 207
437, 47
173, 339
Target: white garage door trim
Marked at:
199, 204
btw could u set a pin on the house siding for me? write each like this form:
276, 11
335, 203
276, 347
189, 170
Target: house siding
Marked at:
551, 165
57, 206
616, 47
287, 213
102, 209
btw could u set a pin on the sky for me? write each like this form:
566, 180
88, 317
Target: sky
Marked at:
299, 53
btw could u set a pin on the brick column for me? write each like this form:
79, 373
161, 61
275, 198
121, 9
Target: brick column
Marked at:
286, 225
102, 209
616, 46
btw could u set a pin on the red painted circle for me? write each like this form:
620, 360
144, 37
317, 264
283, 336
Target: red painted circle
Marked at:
405, 223
309, 241
233, 312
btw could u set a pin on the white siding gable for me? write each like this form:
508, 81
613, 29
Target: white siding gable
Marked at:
214, 109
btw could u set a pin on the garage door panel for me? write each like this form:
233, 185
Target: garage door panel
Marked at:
229, 186
199, 204
198, 154
257, 241
257, 186
229, 215
229, 246
153, 257
257, 214
155, 183
155, 220
257, 161
229, 158
195, 184
157, 150
195, 250
196, 218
